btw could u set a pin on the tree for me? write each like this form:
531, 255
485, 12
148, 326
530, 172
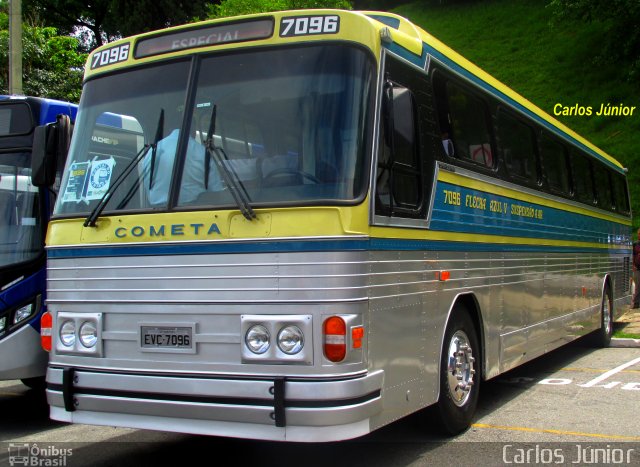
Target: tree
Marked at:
243, 7
621, 28
52, 64
101, 21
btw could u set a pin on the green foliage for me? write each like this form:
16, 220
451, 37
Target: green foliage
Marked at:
619, 34
101, 21
51, 64
518, 43
243, 7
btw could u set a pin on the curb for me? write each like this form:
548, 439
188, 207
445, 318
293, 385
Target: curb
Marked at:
624, 342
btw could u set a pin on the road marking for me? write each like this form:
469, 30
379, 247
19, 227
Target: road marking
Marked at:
555, 432
595, 370
609, 373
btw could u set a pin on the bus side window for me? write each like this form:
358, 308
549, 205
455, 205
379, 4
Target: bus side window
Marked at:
582, 178
604, 194
516, 143
469, 124
555, 165
399, 178
620, 195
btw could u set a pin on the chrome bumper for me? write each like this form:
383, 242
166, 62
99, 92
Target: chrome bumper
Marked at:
259, 408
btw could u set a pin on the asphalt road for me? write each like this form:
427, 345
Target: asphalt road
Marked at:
575, 406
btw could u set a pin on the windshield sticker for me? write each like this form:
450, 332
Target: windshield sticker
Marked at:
99, 178
75, 183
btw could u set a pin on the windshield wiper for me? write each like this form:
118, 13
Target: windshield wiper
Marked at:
90, 221
236, 188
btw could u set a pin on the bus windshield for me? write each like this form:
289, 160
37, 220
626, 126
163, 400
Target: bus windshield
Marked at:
20, 214
282, 126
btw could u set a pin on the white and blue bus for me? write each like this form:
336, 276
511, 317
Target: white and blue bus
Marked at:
24, 213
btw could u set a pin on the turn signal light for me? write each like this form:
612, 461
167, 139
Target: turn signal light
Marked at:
46, 330
335, 339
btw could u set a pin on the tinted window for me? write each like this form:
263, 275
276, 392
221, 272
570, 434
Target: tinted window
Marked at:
516, 144
582, 181
468, 126
555, 163
603, 186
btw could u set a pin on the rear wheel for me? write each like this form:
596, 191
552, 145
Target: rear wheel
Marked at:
459, 375
602, 337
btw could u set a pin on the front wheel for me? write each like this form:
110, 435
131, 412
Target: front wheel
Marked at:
459, 375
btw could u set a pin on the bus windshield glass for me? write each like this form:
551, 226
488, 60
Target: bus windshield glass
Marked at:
20, 212
276, 127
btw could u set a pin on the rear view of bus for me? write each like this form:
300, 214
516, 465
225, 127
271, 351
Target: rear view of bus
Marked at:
24, 212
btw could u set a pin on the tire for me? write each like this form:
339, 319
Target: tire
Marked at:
38, 383
459, 374
602, 337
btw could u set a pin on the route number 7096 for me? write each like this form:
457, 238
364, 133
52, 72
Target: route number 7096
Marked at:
308, 25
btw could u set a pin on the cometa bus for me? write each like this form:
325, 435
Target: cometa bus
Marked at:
309, 224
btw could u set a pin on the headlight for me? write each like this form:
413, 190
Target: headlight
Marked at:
290, 340
22, 313
68, 333
88, 334
257, 339
3, 323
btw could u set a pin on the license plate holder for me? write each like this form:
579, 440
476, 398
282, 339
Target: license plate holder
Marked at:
167, 337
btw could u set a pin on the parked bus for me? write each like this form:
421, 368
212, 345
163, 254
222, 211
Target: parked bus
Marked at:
323, 221
24, 213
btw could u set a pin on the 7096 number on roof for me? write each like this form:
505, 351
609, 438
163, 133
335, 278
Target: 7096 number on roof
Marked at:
309, 25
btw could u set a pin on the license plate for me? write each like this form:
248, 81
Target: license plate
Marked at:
166, 338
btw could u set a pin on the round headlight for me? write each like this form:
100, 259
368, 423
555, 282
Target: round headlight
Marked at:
88, 334
290, 340
257, 339
68, 333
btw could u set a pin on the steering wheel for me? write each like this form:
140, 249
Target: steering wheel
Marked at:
292, 172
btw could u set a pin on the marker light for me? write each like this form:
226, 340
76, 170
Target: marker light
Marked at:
357, 334
46, 326
290, 340
335, 331
88, 334
257, 339
68, 333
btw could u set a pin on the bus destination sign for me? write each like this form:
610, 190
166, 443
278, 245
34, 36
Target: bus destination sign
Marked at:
204, 36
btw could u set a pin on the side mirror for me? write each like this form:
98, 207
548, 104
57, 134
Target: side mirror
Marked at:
50, 145
399, 119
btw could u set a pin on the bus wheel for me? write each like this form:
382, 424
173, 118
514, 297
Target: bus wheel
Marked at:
459, 378
603, 335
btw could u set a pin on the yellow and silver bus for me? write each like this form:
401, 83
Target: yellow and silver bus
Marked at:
308, 224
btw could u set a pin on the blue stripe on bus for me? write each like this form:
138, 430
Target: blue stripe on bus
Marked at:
305, 246
494, 213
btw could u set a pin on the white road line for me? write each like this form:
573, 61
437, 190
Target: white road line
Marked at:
609, 373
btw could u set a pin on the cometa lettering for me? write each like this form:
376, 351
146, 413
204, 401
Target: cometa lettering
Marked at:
167, 230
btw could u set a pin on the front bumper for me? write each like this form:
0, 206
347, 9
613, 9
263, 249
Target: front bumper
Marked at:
259, 408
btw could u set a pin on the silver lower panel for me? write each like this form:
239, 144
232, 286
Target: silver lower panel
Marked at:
313, 410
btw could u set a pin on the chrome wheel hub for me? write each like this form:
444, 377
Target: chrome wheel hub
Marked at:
606, 315
460, 370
